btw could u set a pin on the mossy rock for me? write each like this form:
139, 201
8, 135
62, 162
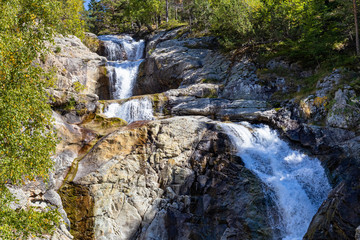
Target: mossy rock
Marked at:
79, 207
160, 104
211, 93
92, 43
102, 125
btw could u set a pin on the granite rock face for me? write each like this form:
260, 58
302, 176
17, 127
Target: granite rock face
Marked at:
182, 62
77, 68
171, 179
345, 113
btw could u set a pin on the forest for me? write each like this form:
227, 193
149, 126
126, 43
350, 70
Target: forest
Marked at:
313, 32
310, 30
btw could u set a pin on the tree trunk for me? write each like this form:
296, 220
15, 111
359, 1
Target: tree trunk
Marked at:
159, 16
176, 13
190, 23
167, 10
356, 28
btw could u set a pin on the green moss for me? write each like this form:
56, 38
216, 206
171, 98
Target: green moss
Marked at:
172, 24
78, 87
57, 49
70, 105
79, 207
101, 124
160, 103
308, 86
210, 80
279, 71
182, 32
151, 51
82, 111
212, 93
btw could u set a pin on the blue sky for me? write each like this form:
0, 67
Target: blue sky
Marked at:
86, 2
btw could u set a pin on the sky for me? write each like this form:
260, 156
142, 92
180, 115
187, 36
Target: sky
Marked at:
86, 2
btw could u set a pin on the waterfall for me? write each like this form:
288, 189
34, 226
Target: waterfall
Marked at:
132, 110
122, 47
122, 76
124, 55
298, 181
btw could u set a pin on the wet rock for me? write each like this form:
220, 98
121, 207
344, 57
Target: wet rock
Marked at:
102, 125
71, 137
338, 216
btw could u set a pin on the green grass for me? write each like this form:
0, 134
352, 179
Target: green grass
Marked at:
172, 24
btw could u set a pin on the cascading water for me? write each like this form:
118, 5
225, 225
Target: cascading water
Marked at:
298, 181
125, 56
130, 111
122, 47
122, 76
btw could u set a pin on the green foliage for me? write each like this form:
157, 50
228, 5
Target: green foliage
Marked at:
57, 49
78, 87
72, 16
308, 30
22, 224
172, 24
108, 16
27, 139
233, 18
92, 43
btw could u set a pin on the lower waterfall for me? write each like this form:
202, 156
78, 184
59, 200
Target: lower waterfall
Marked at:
132, 110
298, 181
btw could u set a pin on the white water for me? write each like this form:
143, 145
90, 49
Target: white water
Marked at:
122, 47
125, 56
298, 181
122, 76
132, 110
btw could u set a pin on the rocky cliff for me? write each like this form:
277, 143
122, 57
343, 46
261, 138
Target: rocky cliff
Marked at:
178, 176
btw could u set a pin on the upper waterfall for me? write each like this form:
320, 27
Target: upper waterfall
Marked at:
122, 47
125, 56
298, 181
